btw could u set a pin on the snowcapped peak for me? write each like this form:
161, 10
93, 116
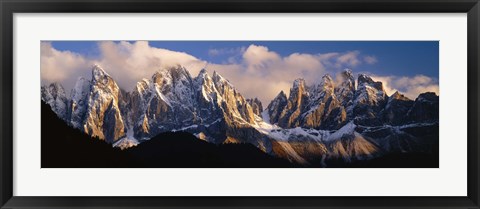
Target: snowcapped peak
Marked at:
347, 74
55, 96
80, 84
142, 85
203, 79
101, 78
203, 71
219, 80
216, 75
179, 71
347, 129
362, 78
345, 82
299, 82
327, 81
327, 77
157, 76
56, 88
56, 85
98, 73
203, 74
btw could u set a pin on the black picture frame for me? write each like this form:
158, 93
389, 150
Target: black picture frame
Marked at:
10, 7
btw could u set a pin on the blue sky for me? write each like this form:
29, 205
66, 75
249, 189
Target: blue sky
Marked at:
410, 67
401, 58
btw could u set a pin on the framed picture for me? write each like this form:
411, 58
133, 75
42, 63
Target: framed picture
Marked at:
194, 104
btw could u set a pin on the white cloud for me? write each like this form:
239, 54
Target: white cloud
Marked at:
226, 51
259, 57
350, 59
411, 87
214, 52
128, 62
61, 66
255, 70
370, 59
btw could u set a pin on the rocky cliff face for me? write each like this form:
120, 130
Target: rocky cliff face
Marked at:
348, 123
396, 109
276, 107
173, 100
370, 98
79, 102
170, 100
329, 105
55, 96
256, 105
332, 120
93, 105
103, 117
425, 109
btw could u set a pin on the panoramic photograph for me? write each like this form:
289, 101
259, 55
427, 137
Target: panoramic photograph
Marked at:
239, 104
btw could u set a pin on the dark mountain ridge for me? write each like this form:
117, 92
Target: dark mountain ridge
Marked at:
324, 124
66, 147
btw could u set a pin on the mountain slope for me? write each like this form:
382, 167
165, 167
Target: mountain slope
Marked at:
332, 122
66, 147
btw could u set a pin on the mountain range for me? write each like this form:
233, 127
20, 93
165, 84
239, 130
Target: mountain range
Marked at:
329, 123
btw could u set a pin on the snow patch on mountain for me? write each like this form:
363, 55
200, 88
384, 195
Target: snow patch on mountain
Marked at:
347, 129
127, 141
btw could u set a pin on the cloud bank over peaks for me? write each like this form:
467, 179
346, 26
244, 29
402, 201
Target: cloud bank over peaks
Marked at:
411, 87
255, 70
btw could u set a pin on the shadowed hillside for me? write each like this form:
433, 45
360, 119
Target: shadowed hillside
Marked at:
66, 147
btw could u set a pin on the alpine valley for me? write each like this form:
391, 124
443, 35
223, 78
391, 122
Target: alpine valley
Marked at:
341, 122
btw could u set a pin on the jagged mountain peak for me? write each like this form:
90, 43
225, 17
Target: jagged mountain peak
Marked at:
179, 72
102, 104
142, 86
345, 87
203, 76
98, 73
157, 76
298, 83
347, 74
281, 95
81, 85
256, 105
211, 107
398, 96
365, 80
57, 87
327, 82
345, 80
203, 71
221, 83
428, 96
167, 74
54, 95
255, 99
219, 79
327, 78
276, 107
55, 90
